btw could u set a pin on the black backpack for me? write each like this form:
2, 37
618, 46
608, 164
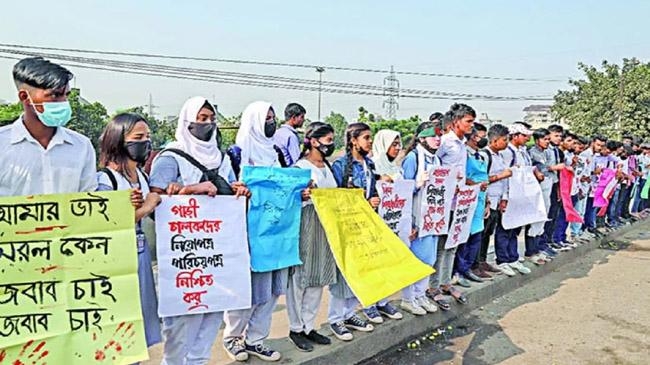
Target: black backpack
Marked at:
223, 188
113, 180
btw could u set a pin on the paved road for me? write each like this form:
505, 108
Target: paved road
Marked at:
593, 311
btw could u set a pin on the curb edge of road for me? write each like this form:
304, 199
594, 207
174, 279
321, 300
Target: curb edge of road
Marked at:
393, 332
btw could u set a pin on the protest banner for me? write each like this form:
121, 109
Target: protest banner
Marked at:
274, 215
525, 200
366, 251
69, 284
396, 206
567, 179
203, 261
606, 181
466, 205
436, 197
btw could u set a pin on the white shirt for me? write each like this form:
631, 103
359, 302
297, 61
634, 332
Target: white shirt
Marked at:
67, 165
453, 152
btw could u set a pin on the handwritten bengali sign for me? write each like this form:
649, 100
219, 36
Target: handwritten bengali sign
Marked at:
203, 261
365, 249
274, 215
525, 200
396, 206
466, 205
435, 198
68, 274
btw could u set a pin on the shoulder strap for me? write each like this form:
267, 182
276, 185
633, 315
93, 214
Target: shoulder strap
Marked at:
514, 156
110, 175
144, 174
187, 157
283, 162
489, 156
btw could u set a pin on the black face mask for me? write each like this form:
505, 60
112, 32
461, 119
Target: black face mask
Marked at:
138, 151
326, 149
202, 131
269, 129
482, 143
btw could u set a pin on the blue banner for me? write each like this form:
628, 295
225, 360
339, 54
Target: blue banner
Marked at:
274, 215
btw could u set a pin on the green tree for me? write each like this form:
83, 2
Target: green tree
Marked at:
340, 124
612, 100
88, 118
406, 127
162, 131
9, 113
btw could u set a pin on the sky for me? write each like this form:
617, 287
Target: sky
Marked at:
503, 38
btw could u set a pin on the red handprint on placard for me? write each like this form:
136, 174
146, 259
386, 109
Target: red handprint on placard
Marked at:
34, 357
123, 338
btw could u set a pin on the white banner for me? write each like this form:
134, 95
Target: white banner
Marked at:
435, 199
525, 201
396, 206
203, 260
466, 204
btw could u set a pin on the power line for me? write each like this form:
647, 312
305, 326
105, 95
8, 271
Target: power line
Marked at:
222, 76
279, 64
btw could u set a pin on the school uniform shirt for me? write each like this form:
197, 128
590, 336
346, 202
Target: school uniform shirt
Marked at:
644, 161
286, 138
588, 156
148, 298
453, 152
496, 190
553, 157
542, 161
477, 171
362, 175
67, 165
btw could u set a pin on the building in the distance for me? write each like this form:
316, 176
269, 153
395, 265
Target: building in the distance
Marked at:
539, 116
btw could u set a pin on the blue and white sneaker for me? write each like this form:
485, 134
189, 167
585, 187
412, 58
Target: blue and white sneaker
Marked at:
373, 314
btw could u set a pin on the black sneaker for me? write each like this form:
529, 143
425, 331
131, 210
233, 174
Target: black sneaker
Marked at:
357, 323
263, 352
301, 342
316, 337
341, 332
389, 311
236, 349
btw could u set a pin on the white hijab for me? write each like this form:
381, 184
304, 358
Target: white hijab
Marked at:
206, 152
383, 140
256, 148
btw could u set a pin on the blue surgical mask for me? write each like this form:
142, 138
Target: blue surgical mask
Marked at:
55, 113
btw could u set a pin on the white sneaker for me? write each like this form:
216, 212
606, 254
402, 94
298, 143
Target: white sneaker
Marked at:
425, 303
505, 268
413, 308
544, 257
519, 267
521, 259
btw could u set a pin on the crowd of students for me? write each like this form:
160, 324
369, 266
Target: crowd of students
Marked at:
41, 156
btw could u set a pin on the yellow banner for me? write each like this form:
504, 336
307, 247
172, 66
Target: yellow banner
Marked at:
68, 280
373, 260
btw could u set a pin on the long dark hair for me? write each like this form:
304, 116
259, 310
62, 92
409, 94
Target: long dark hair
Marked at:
111, 142
353, 130
315, 130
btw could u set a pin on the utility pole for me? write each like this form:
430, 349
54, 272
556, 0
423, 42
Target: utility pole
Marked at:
151, 107
320, 71
391, 92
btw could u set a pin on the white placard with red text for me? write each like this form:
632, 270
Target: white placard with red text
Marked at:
203, 260
435, 199
396, 206
461, 224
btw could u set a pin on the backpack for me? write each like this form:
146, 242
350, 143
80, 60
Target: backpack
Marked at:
223, 188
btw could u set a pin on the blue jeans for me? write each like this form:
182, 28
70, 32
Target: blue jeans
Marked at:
638, 203
467, 253
612, 215
579, 205
590, 213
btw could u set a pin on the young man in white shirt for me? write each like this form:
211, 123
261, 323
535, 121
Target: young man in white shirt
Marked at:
39, 155
452, 153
